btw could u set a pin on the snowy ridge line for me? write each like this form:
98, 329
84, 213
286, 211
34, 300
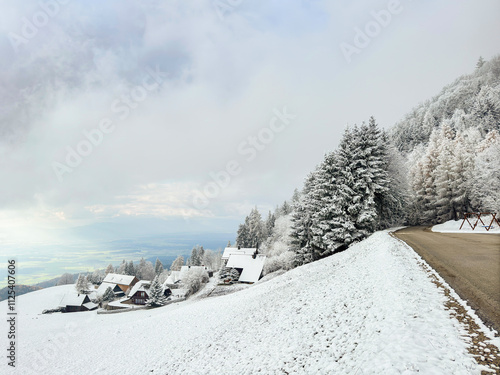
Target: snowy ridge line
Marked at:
475, 348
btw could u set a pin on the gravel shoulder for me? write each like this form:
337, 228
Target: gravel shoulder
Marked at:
470, 264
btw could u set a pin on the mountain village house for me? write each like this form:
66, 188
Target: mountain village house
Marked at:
74, 303
247, 261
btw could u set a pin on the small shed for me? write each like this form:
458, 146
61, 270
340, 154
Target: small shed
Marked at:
74, 303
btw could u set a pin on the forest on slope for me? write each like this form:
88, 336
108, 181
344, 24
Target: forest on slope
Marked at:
440, 161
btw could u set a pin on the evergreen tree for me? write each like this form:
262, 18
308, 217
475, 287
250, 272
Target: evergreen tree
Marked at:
269, 224
158, 267
156, 297
229, 275
130, 269
285, 209
201, 255
110, 269
303, 218
444, 175
177, 263
428, 193
122, 268
252, 232
197, 255
295, 197
345, 199
96, 277
485, 192
65, 279
108, 295
242, 236
82, 285
480, 62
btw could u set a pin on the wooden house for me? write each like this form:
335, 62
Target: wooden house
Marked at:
140, 292
124, 282
73, 303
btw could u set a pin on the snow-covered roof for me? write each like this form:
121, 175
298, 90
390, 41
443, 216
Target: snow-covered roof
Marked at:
102, 288
185, 269
141, 285
115, 278
72, 299
172, 278
119, 303
252, 268
91, 305
234, 250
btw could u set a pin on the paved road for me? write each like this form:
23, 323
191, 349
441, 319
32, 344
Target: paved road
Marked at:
470, 264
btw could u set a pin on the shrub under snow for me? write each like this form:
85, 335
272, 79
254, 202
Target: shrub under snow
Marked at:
279, 255
194, 279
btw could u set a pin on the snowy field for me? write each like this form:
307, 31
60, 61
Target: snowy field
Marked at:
369, 310
454, 227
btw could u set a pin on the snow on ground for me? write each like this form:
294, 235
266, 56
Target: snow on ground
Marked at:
369, 310
454, 227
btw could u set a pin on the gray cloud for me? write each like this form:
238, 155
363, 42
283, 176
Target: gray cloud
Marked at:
223, 79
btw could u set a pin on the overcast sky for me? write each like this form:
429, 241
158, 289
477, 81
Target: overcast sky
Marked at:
125, 110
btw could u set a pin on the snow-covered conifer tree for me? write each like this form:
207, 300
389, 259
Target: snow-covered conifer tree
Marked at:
444, 175
65, 279
82, 285
158, 267
156, 297
177, 263
485, 192
108, 295
110, 269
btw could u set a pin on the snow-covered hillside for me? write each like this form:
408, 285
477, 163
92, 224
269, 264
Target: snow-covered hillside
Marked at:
369, 310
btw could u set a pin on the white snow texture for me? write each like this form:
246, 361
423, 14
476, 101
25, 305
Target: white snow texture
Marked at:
369, 310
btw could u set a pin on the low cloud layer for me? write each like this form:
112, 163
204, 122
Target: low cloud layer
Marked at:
128, 108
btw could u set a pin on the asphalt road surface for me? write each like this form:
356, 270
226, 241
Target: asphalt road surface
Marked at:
470, 264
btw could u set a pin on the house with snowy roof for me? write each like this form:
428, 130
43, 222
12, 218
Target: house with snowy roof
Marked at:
72, 302
124, 282
173, 279
140, 292
185, 270
249, 266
